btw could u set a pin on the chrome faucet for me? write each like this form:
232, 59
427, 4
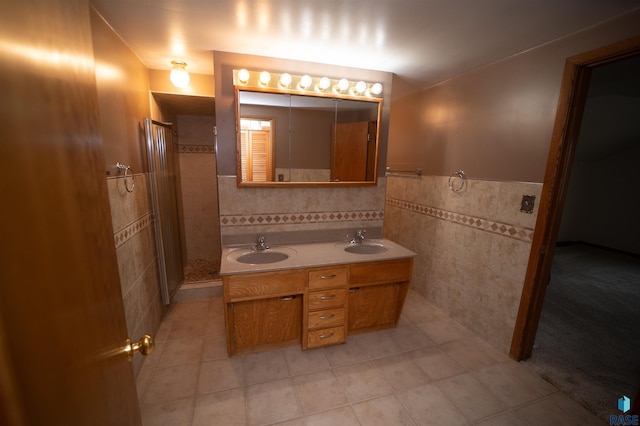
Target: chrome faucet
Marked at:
261, 244
359, 238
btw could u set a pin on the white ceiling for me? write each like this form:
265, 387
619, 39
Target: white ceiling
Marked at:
423, 41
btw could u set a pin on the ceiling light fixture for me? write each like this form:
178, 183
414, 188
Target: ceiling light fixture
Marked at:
322, 86
179, 75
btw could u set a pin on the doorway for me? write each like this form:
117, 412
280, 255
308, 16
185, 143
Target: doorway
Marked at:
571, 107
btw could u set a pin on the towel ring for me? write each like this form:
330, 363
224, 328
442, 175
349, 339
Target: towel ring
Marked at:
460, 175
127, 170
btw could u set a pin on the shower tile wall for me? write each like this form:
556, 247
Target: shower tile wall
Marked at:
135, 249
198, 189
473, 247
250, 210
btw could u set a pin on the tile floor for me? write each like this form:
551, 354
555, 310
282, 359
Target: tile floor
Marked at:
428, 371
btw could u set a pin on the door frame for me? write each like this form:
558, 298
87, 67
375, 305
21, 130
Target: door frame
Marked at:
573, 93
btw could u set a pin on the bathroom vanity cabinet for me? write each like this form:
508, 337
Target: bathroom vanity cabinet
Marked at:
313, 306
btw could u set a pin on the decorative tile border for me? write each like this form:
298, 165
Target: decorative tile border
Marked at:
125, 234
298, 218
196, 149
511, 231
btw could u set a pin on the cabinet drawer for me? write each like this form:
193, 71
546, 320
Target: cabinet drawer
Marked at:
326, 336
247, 286
392, 271
327, 299
328, 278
326, 318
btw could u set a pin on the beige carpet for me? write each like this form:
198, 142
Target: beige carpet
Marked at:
588, 341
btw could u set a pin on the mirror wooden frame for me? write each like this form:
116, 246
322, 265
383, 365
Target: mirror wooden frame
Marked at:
241, 183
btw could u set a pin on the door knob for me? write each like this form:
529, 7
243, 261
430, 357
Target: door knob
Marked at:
145, 346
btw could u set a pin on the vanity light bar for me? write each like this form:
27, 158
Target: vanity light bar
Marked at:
305, 83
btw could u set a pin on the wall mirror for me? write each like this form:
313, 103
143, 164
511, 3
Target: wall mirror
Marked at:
286, 138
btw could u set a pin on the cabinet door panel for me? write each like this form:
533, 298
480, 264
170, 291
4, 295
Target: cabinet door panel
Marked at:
264, 321
372, 306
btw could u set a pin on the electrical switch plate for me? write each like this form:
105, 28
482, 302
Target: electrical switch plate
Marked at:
526, 206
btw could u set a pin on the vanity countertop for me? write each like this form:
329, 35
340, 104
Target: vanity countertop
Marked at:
310, 255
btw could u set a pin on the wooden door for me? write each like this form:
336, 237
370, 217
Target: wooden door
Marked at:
349, 151
62, 327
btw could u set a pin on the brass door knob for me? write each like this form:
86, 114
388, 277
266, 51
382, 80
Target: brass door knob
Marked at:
145, 346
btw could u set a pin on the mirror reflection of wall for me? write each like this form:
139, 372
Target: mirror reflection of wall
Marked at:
308, 139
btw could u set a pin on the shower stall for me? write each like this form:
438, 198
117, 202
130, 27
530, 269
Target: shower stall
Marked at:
162, 176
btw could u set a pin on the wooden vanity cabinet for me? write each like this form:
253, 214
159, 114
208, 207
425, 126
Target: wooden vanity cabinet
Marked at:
263, 310
377, 291
313, 307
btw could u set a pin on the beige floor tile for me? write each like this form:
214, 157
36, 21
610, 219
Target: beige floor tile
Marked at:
215, 322
362, 381
172, 383
226, 408
469, 356
581, 414
163, 331
471, 397
216, 376
401, 372
189, 309
343, 416
215, 347
436, 364
409, 337
319, 391
179, 352
143, 379
377, 344
444, 330
186, 328
303, 362
347, 353
272, 402
545, 412
505, 383
151, 360
383, 411
506, 419
265, 366
429, 406
173, 413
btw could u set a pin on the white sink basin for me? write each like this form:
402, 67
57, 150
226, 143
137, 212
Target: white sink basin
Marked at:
365, 248
251, 256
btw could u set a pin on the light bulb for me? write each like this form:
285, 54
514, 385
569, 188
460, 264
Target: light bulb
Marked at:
305, 81
265, 77
343, 84
361, 86
179, 75
324, 83
285, 79
243, 75
376, 89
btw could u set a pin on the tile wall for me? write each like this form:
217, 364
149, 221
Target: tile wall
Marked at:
473, 247
251, 210
198, 188
135, 249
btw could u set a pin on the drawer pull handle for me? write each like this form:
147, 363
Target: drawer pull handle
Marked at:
326, 336
328, 297
354, 289
328, 316
287, 298
327, 277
